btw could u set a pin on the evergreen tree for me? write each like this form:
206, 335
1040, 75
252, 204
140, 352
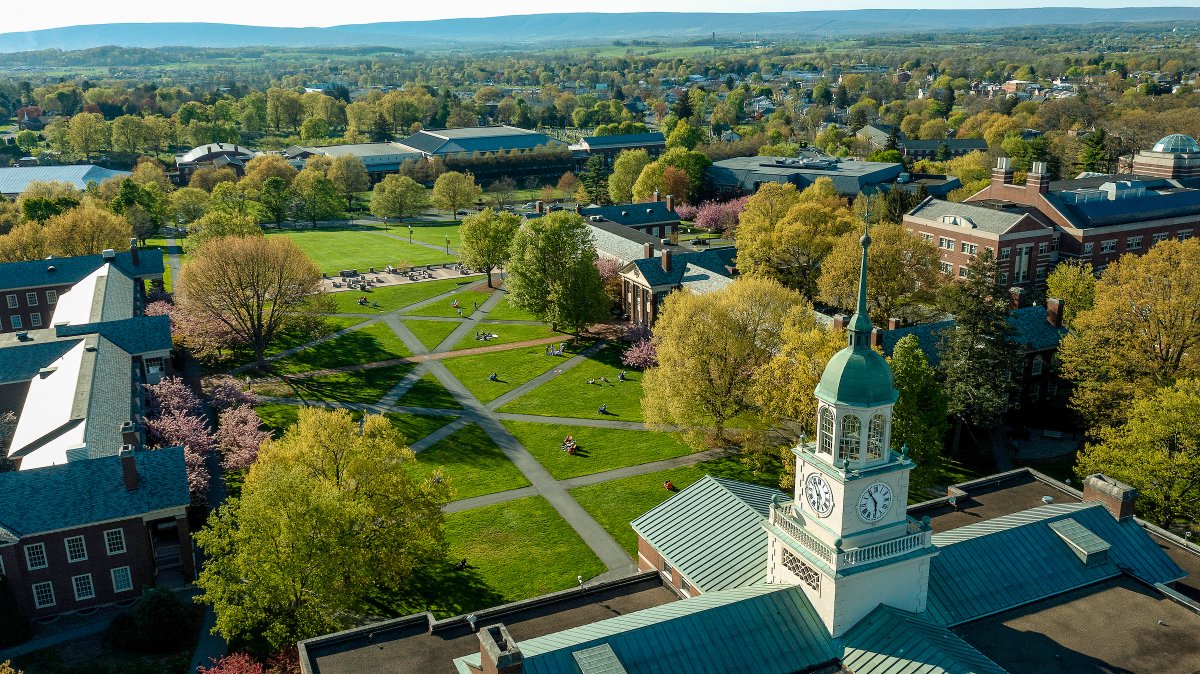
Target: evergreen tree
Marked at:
683, 107
1094, 154
594, 180
919, 417
893, 139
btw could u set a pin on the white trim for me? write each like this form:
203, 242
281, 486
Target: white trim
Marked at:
109, 548
82, 545
37, 602
29, 562
75, 586
113, 575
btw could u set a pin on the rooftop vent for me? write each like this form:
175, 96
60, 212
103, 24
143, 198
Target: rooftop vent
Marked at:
625, 214
109, 254
958, 221
47, 371
596, 218
1087, 546
22, 336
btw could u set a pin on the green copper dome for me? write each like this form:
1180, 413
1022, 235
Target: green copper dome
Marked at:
857, 376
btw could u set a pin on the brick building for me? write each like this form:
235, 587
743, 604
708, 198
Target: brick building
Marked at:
646, 281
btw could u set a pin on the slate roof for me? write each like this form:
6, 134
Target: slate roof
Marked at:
711, 634
889, 640
989, 220
134, 335
625, 140
715, 260
109, 402
1029, 329
712, 532
477, 139
21, 362
16, 179
82, 492
70, 270
700, 280
1012, 560
633, 215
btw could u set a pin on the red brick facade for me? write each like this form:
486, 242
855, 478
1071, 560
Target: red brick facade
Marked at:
1025, 253
649, 559
30, 307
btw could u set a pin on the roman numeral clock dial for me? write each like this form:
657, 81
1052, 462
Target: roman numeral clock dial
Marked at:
875, 502
818, 494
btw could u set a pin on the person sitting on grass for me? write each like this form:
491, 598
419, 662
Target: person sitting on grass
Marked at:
493, 377
603, 409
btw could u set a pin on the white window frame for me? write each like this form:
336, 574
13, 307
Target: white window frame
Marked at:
1184, 234
41, 548
962, 271
1087, 248
945, 243
1041, 273
17, 324
13, 302
1043, 247
1037, 366
31, 299
1159, 237
91, 586
71, 556
1108, 246
35, 320
128, 579
37, 601
1133, 242
969, 248
51, 297
1003, 278
1005, 253
927, 237
946, 267
108, 541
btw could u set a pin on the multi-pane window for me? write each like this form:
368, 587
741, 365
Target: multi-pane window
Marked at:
1108, 246
1087, 248
825, 432
1037, 366
83, 587
851, 438
1041, 272
1133, 243
962, 272
945, 243
1005, 253
1185, 234
667, 568
51, 297
13, 303
1043, 247
114, 541
927, 237
946, 267
43, 595
35, 556
1003, 277
685, 586
16, 322
969, 248
121, 579
35, 320
76, 549
1160, 237
31, 299
875, 437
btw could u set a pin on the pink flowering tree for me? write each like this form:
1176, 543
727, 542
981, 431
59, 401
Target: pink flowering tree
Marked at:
641, 352
236, 663
239, 435
686, 211
225, 392
171, 395
205, 337
720, 216
610, 274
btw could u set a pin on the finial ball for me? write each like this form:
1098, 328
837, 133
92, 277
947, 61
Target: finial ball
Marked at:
865, 240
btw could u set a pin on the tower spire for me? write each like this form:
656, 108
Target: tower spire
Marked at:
860, 322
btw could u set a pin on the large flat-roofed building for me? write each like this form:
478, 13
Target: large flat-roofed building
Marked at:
744, 175
877, 136
610, 146
446, 143
379, 158
15, 180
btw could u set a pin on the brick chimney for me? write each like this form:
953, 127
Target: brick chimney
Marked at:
498, 653
1003, 173
1038, 179
839, 321
1015, 294
133, 251
579, 209
647, 250
670, 202
540, 207
129, 468
876, 338
666, 259
1054, 312
1118, 497
129, 434
657, 196
893, 324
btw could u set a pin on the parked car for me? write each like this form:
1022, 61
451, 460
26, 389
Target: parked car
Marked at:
463, 211
529, 206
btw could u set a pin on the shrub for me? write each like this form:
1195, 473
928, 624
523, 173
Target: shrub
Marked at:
237, 663
158, 623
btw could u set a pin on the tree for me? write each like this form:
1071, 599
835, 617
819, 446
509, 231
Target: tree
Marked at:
502, 190
487, 238
27, 140
265, 166
1074, 283
349, 175
188, 204
919, 416
593, 182
1141, 335
625, 171
87, 133
275, 197
239, 437
217, 224
675, 182
1094, 154
684, 135
903, 276
552, 272
567, 183
316, 197
256, 286
208, 177
708, 345
87, 230
453, 191
327, 514
1156, 450
128, 134
398, 196
978, 357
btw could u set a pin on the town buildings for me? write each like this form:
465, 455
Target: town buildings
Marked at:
89, 516
609, 147
378, 158
877, 136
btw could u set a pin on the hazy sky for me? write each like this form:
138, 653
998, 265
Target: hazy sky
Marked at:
28, 16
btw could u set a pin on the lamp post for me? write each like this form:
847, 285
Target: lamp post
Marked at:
447, 244
410, 233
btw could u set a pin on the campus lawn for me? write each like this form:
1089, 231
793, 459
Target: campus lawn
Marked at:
336, 249
505, 311
445, 308
600, 449
472, 463
431, 333
361, 386
571, 396
521, 548
616, 503
416, 426
432, 232
372, 344
513, 368
508, 334
395, 297
278, 416
428, 392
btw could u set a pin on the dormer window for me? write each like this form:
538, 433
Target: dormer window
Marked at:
850, 442
825, 433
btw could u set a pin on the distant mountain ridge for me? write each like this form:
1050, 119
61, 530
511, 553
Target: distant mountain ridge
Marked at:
541, 29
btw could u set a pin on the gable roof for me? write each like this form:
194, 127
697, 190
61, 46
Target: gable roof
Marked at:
81, 492
625, 140
712, 532
202, 152
765, 629
1016, 559
715, 260
991, 220
15, 180
476, 139
891, 640
633, 215
61, 271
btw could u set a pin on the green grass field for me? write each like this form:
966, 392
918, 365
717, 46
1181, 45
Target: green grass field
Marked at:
473, 464
362, 386
513, 368
600, 449
428, 392
278, 416
571, 396
431, 333
337, 249
505, 311
391, 298
521, 548
507, 334
371, 344
433, 233
466, 301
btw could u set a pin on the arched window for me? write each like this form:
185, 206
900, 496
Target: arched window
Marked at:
851, 432
825, 433
1037, 366
875, 440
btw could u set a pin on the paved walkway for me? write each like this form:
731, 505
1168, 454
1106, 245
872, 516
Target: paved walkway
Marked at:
174, 260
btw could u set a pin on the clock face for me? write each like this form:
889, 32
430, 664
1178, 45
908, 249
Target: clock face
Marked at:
818, 494
875, 502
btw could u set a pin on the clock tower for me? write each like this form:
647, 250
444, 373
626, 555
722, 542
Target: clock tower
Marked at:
846, 537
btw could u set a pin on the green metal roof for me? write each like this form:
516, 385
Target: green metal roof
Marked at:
891, 641
599, 660
1086, 545
712, 532
1012, 560
765, 629
857, 375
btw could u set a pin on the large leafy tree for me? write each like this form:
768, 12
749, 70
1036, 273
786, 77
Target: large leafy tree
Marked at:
275, 197
903, 275
1157, 450
552, 272
453, 190
919, 416
316, 197
1074, 283
328, 514
256, 286
487, 239
625, 171
349, 176
397, 196
979, 359
1142, 333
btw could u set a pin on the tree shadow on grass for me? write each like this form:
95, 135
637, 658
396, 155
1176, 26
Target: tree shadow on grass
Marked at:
442, 588
351, 348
